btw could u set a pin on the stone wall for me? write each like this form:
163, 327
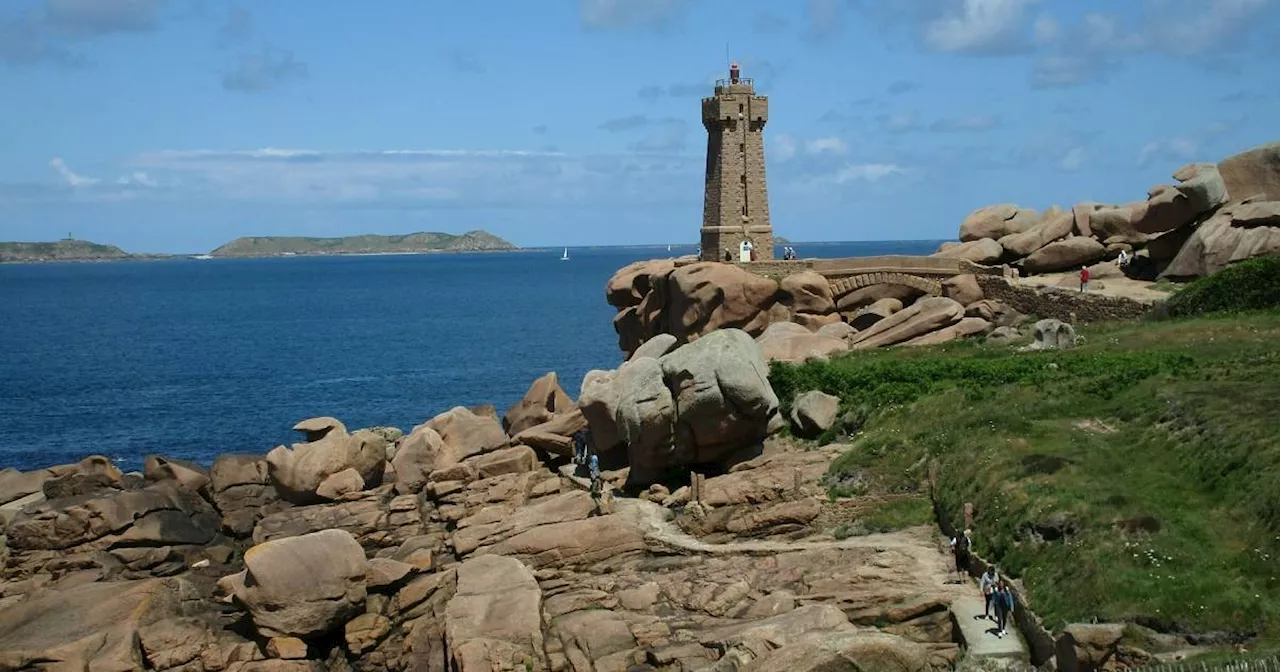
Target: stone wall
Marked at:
1041, 643
1062, 304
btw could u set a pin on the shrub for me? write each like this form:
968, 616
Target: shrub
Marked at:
1249, 285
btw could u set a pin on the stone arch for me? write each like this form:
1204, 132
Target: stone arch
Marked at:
843, 286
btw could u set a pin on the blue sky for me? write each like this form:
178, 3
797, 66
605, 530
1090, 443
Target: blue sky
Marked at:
176, 125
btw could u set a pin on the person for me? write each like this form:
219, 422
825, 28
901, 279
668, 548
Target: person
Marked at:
727, 255
987, 584
596, 485
1084, 278
580, 447
1124, 259
1004, 607
960, 546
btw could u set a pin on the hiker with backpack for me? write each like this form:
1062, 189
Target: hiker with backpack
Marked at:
960, 546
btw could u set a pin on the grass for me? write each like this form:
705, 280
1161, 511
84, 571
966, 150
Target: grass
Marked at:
1253, 284
1131, 479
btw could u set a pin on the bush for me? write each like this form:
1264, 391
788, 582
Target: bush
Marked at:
1248, 285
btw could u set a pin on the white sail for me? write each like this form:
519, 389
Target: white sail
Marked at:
565, 256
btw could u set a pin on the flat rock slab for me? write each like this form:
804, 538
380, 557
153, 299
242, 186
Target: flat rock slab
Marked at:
978, 633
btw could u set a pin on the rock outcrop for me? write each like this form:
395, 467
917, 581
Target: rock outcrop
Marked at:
700, 403
302, 474
1211, 216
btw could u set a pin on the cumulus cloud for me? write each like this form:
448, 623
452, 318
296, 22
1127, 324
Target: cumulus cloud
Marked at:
867, 172
264, 70
783, 147
899, 122
1171, 149
830, 145
981, 27
825, 17
426, 177
629, 14
69, 177
1073, 160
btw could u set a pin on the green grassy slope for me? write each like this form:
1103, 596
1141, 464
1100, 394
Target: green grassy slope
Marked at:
1153, 450
366, 244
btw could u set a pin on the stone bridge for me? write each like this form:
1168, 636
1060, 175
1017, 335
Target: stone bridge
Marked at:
851, 273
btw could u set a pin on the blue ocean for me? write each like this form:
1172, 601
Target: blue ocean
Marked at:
192, 358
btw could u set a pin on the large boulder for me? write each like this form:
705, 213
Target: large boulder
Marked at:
963, 289
698, 403
720, 384
996, 221
1051, 334
708, 296
242, 492
807, 292
544, 399
814, 412
1054, 226
791, 342
982, 251
864, 318
656, 347
1202, 185
469, 433
1114, 224
969, 326
88, 627
421, 453
298, 472
645, 416
187, 474
161, 514
494, 620
1166, 209
1071, 253
1253, 174
554, 436
860, 298
1235, 233
302, 586
631, 283
921, 317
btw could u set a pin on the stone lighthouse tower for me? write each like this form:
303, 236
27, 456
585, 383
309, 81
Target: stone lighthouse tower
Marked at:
735, 210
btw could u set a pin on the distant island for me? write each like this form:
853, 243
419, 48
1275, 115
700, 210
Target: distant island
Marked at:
272, 246
67, 249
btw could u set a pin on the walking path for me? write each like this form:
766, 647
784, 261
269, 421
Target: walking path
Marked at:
966, 605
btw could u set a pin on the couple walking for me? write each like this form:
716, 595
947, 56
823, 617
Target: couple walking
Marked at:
995, 591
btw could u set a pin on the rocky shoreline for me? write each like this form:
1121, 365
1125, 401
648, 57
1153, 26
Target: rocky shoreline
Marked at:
468, 544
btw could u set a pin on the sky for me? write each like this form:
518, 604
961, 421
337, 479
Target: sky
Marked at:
177, 125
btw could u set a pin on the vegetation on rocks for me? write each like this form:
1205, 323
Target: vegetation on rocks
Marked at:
1249, 285
264, 246
62, 250
1132, 478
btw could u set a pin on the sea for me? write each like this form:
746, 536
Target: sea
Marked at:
193, 358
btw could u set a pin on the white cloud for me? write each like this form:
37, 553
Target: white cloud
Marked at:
979, 26
831, 145
137, 179
1073, 160
867, 172
900, 122
981, 122
783, 147
1046, 30
627, 14
428, 177
1172, 149
72, 179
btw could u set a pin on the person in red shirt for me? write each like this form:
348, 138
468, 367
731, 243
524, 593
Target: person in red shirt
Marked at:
1084, 278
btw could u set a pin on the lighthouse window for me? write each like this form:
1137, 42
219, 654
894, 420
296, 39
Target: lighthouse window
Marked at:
742, 147
739, 107
744, 178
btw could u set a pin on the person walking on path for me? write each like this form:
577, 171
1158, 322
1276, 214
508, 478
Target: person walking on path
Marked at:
580, 448
1084, 278
987, 584
596, 486
1004, 607
960, 546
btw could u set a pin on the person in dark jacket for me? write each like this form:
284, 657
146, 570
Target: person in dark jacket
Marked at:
960, 546
1004, 608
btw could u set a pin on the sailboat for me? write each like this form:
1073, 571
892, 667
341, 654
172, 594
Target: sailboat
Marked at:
565, 256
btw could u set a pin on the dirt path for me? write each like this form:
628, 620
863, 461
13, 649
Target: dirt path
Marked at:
920, 544
1138, 290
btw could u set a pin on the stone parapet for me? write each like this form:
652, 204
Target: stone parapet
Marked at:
1062, 304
